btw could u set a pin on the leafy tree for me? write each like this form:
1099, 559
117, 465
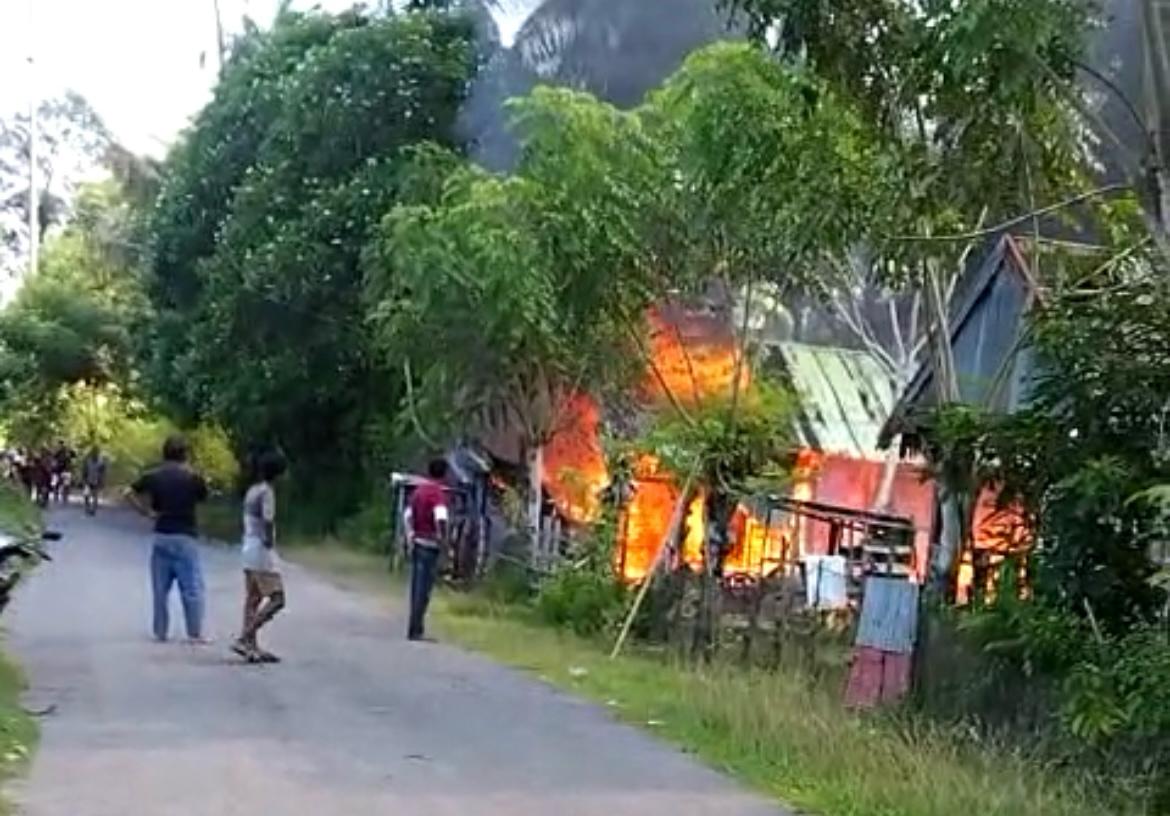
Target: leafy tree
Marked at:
727, 451
979, 128
71, 141
511, 297
774, 170
480, 308
69, 329
259, 288
202, 173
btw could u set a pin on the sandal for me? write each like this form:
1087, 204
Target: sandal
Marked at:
266, 657
246, 651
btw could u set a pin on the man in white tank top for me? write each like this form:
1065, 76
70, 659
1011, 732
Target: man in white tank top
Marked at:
264, 595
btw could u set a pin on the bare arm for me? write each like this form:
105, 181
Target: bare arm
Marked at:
138, 502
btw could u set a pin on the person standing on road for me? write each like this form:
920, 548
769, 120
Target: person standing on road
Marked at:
264, 594
427, 516
63, 458
93, 478
169, 494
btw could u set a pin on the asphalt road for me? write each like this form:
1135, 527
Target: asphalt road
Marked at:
356, 720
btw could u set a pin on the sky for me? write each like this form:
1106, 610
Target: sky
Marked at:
146, 66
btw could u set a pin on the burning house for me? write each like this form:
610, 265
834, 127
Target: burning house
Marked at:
844, 396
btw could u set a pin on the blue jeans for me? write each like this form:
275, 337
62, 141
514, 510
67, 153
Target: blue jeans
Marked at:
424, 567
175, 558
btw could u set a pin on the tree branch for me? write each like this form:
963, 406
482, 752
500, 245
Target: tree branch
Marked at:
410, 406
1015, 222
741, 357
687, 357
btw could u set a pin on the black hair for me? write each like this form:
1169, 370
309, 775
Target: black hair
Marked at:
271, 466
175, 449
437, 469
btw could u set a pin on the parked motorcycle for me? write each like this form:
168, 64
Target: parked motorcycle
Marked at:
17, 554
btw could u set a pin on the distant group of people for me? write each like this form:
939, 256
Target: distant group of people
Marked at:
50, 473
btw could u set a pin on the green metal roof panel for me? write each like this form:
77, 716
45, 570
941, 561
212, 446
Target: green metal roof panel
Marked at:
845, 398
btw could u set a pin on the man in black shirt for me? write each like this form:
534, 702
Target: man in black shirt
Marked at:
169, 494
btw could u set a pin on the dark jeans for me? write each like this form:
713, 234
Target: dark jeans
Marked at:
424, 568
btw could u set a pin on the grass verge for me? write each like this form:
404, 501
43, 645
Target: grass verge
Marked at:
18, 731
778, 732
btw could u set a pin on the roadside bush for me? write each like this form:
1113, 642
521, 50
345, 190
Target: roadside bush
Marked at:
507, 582
17, 514
369, 528
137, 444
584, 600
1084, 697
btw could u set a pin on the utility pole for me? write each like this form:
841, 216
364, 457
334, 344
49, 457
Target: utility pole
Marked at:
1156, 25
34, 198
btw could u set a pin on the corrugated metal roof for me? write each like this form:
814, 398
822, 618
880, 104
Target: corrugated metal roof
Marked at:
845, 398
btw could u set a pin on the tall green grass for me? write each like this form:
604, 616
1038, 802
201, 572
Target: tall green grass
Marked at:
784, 732
17, 513
18, 731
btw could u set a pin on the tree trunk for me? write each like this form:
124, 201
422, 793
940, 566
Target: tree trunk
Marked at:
956, 535
535, 464
720, 508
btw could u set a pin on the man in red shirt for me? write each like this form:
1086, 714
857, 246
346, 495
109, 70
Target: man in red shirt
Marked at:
427, 524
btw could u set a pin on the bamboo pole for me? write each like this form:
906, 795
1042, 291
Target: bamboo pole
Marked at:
671, 531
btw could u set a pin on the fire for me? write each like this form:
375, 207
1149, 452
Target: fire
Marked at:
997, 535
646, 521
696, 356
758, 545
574, 466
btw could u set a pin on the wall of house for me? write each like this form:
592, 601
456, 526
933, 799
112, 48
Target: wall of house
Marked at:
854, 483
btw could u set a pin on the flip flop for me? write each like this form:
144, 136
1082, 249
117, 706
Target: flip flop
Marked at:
245, 651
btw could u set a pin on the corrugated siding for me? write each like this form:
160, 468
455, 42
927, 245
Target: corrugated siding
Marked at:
986, 340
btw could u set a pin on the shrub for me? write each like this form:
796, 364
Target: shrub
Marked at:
18, 515
369, 528
212, 455
507, 581
138, 442
136, 446
584, 600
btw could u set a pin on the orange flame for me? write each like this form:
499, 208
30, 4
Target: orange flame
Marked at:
574, 466
695, 355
